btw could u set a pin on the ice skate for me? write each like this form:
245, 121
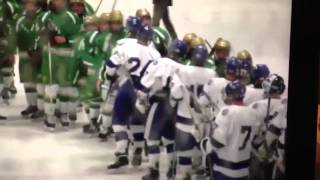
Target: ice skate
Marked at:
49, 126
2, 118
29, 111
153, 174
137, 157
37, 114
105, 134
120, 164
64, 121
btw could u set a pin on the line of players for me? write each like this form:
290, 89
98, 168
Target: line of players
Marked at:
205, 108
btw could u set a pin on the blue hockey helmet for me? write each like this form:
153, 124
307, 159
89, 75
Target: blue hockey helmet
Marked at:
133, 25
235, 90
232, 67
274, 84
145, 33
199, 55
177, 48
261, 72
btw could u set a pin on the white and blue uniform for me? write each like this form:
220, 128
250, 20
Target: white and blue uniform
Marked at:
231, 140
160, 123
186, 82
252, 95
131, 59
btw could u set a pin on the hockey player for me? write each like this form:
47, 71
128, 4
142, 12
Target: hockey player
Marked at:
7, 50
276, 136
27, 40
245, 55
134, 59
161, 38
255, 91
232, 133
160, 123
59, 26
133, 25
81, 8
267, 109
213, 91
88, 63
186, 86
220, 51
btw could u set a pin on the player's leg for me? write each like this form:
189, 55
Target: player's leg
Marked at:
93, 115
1, 88
40, 101
122, 111
153, 137
31, 97
7, 82
185, 143
73, 94
63, 97
51, 93
137, 130
157, 14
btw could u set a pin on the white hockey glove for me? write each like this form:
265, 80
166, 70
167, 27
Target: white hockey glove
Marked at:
196, 133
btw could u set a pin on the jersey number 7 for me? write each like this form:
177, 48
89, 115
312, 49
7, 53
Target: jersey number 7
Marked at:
247, 131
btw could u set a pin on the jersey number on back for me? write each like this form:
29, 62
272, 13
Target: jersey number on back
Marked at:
135, 63
247, 131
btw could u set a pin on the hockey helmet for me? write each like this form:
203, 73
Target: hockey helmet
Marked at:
133, 25
116, 16
244, 55
274, 84
235, 90
143, 13
178, 48
222, 44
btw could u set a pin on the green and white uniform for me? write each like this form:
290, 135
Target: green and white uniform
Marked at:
59, 68
220, 66
28, 44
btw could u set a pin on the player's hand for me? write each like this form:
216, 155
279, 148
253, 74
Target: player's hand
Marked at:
60, 40
196, 133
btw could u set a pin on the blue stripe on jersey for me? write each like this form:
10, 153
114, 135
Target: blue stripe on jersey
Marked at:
232, 165
216, 143
111, 64
184, 120
275, 130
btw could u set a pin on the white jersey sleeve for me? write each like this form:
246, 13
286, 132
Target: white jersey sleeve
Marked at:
253, 95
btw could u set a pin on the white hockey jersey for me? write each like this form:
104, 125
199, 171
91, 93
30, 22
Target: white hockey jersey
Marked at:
253, 95
158, 73
132, 57
187, 81
235, 129
213, 93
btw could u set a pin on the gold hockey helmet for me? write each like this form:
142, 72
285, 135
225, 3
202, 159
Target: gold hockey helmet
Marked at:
105, 17
222, 44
91, 19
116, 16
197, 41
187, 38
244, 55
143, 13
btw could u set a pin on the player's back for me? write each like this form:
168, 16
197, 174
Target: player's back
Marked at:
240, 125
161, 69
193, 79
253, 95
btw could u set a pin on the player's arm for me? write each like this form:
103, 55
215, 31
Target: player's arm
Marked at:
176, 90
112, 65
219, 132
205, 99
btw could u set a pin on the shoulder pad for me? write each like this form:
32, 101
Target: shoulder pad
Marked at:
225, 112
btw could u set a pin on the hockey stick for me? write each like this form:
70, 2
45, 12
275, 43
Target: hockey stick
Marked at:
211, 47
98, 7
114, 5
